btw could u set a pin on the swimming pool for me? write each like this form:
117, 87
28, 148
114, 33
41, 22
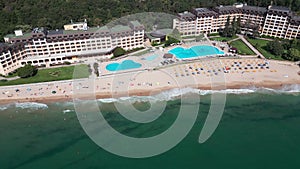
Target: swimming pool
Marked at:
125, 65
150, 58
195, 51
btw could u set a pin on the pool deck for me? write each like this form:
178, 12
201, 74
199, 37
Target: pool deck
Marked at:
157, 61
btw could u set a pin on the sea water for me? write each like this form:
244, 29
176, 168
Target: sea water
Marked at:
260, 128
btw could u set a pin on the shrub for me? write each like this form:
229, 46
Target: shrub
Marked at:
67, 63
27, 71
118, 52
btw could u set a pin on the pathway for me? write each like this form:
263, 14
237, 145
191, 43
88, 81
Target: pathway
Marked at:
250, 46
234, 39
11, 78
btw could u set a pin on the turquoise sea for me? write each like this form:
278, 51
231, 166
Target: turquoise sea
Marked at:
258, 130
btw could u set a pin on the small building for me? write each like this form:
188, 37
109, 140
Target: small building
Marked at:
76, 26
159, 36
233, 50
168, 56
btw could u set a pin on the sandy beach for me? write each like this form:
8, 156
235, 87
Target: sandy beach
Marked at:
206, 74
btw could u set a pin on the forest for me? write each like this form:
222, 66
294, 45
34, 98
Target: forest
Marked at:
53, 14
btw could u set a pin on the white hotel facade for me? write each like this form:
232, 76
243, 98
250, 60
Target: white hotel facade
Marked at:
275, 21
47, 48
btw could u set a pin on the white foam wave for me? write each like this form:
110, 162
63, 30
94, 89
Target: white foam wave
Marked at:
295, 88
177, 93
68, 111
31, 105
3, 108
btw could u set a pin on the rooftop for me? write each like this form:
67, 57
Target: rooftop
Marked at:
255, 9
187, 15
159, 33
203, 11
115, 29
75, 23
25, 35
280, 8
120, 29
227, 9
92, 29
136, 23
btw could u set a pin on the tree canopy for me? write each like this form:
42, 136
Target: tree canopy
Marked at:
275, 47
27, 71
55, 13
118, 52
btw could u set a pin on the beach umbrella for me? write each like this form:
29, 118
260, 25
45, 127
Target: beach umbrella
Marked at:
28, 89
53, 92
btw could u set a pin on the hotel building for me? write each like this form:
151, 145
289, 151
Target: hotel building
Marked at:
273, 21
47, 48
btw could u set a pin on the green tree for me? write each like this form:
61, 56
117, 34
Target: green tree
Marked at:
294, 54
238, 25
255, 32
248, 22
295, 44
44, 22
24, 28
227, 29
170, 41
275, 47
234, 26
27, 71
175, 34
118, 52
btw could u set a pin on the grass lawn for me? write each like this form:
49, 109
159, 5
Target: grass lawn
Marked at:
12, 75
51, 74
224, 39
261, 46
141, 53
243, 49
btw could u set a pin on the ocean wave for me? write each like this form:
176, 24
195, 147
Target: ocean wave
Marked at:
294, 88
31, 105
177, 93
67, 111
3, 108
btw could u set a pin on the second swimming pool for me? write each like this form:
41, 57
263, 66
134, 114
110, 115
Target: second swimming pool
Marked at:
195, 51
126, 64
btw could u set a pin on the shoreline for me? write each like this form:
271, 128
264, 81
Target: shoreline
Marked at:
274, 75
238, 85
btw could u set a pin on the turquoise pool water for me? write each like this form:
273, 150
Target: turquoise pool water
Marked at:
150, 58
126, 64
195, 51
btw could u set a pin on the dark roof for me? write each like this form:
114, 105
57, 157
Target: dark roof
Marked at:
3, 44
279, 8
157, 35
202, 12
295, 19
188, 16
227, 9
55, 32
11, 47
254, 10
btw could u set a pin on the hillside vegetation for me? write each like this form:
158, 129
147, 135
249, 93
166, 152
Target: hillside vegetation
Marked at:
27, 14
